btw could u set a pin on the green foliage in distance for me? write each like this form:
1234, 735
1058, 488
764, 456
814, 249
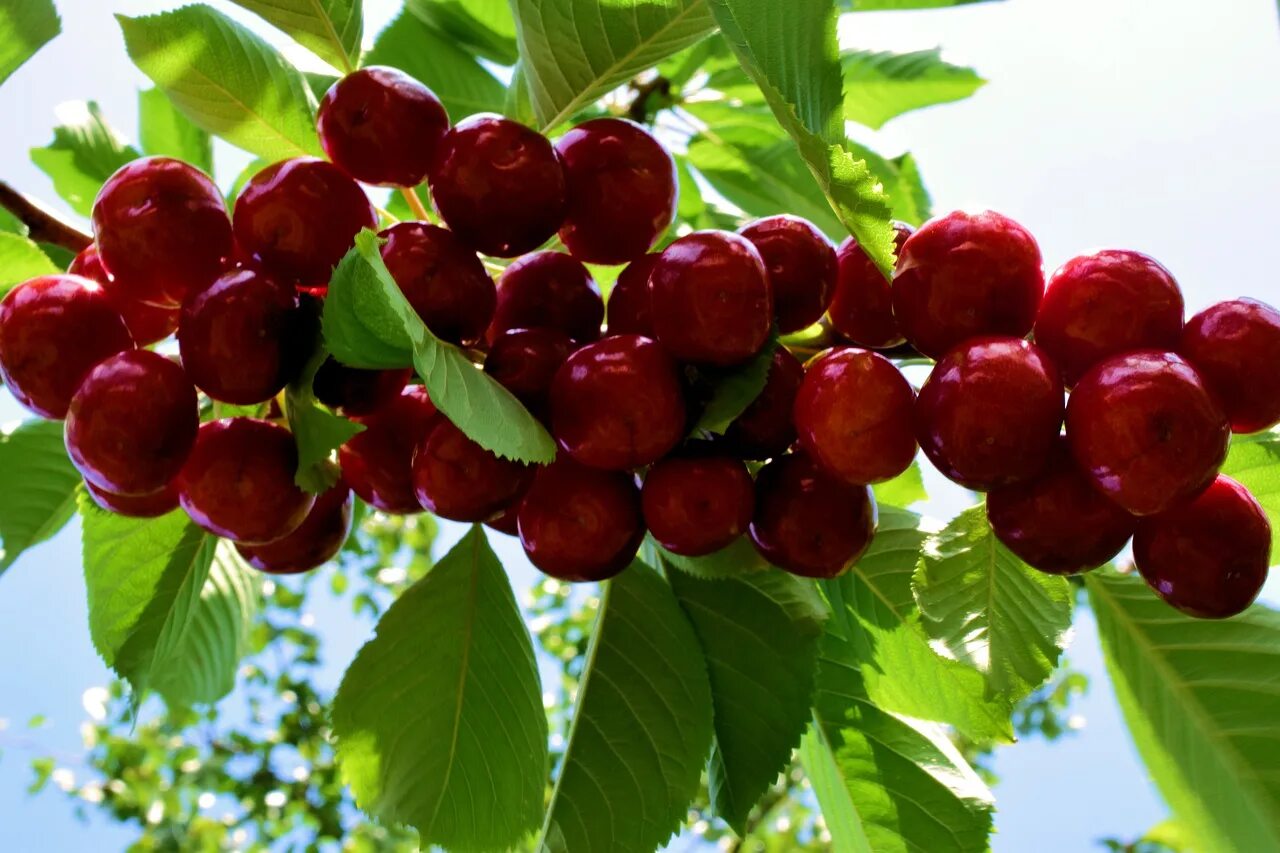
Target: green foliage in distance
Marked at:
85, 151
25, 27
485, 28
331, 29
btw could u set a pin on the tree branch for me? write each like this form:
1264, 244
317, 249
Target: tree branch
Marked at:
43, 227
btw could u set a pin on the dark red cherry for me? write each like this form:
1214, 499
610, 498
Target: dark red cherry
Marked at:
854, 416
525, 361
862, 308
238, 481
357, 391
990, 412
506, 521
316, 541
1057, 521
499, 186
618, 403
298, 217
1147, 430
767, 427
162, 229
696, 505
1099, 305
630, 310
802, 268
711, 298
377, 463
1235, 346
621, 189
964, 275
147, 323
381, 126
1207, 558
136, 506
456, 478
53, 330
808, 522
580, 524
444, 281
548, 289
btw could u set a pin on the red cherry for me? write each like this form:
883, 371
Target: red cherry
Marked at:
316, 541
862, 308
802, 268
697, 505
525, 362
580, 524
506, 521
357, 391
238, 481
498, 185
767, 427
298, 217
808, 522
456, 478
621, 188
444, 281
1147, 431
53, 330
381, 126
147, 323
548, 289
964, 275
990, 412
853, 415
1207, 558
630, 310
1100, 305
711, 298
377, 462
162, 230
136, 506
1235, 346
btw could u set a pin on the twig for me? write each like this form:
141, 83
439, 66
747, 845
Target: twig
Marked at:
43, 227
415, 204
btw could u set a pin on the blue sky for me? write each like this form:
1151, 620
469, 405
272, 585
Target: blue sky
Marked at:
1126, 123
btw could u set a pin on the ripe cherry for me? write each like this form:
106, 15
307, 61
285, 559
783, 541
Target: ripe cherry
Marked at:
1235, 346
147, 323
53, 330
696, 505
525, 362
1147, 431
548, 289
990, 412
136, 506
767, 427
499, 185
444, 281
356, 391
862, 308
456, 478
506, 521
377, 463
381, 126
802, 268
964, 275
630, 310
316, 541
1207, 558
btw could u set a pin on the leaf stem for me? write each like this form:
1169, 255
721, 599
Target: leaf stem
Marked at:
43, 226
415, 204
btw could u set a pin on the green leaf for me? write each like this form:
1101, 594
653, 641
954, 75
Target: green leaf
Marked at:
317, 431
438, 721
903, 490
165, 132
901, 5
21, 259
39, 496
331, 29
881, 85
25, 27
1200, 700
85, 151
1255, 461
736, 389
226, 79
732, 561
641, 725
483, 27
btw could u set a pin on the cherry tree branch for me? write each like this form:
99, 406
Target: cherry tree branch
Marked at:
43, 226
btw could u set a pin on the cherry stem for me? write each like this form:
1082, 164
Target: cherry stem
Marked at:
415, 204
42, 226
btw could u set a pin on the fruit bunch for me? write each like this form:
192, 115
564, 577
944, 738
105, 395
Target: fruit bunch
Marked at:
1152, 401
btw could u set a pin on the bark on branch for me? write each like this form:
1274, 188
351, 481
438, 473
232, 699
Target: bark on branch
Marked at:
43, 226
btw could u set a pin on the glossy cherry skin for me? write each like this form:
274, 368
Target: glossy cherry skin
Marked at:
381, 126
630, 309
53, 330
506, 521
444, 281
1235, 347
621, 188
802, 268
456, 478
1207, 558
854, 416
964, 275
990, 412
356, 391
1057, 521
238, 481
316, 541
1099, 305
548, 289
580, 524
162, 229
808, 522
618, 403
862, 308
147, 323
696, 505
153, 505
499, 186
298, 217
1147, 430
711, 298
525, 362
767, 427
377, 463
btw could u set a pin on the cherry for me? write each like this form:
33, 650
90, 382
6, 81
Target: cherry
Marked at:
862, 308
525, 362
621, 188
456, 478
238, 481
498, 185
964, 275
808, 522
696, 505
136, 506
802, 268
147, 323
853, 415
766, 428
1057, 521
377, 462
381, 126
444, 281
711, 298
1235, 347
357, 391
990, 412
298, 217
1207, 558
548, 289
53, 330
316, 541
580, 524
1096, 306
630, 310
1146, 430
162, 230
506, 521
